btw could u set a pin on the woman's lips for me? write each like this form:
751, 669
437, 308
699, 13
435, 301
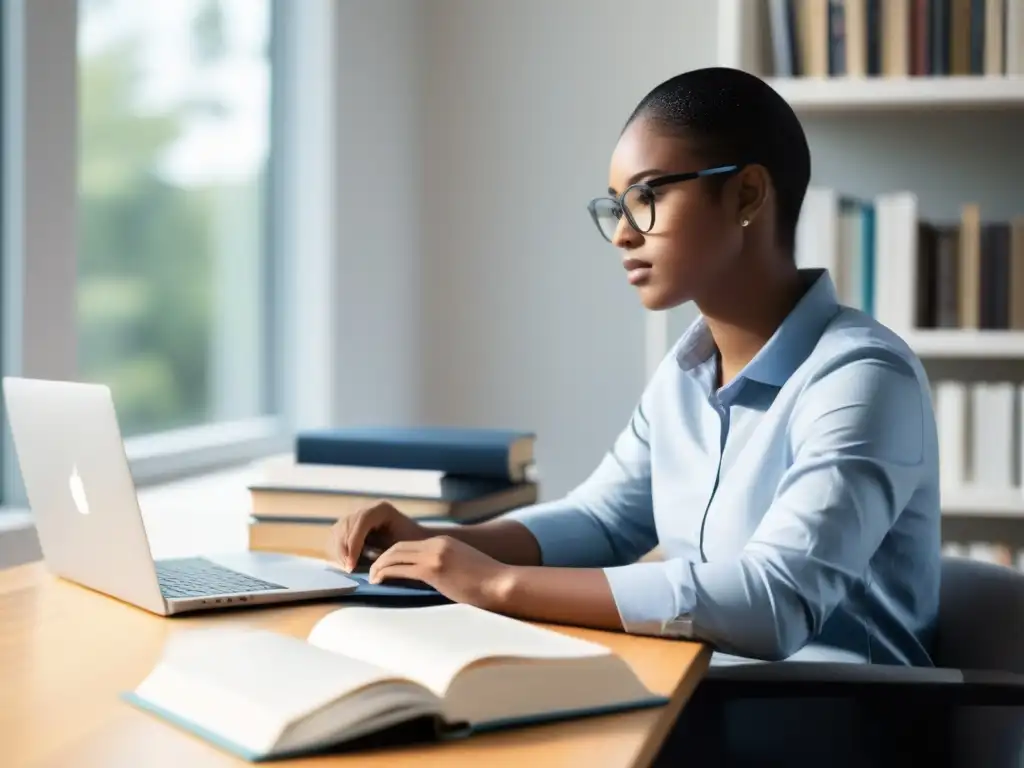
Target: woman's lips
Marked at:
637, 271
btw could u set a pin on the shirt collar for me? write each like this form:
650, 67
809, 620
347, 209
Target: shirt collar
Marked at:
787, 348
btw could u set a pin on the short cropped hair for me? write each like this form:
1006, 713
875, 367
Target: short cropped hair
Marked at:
735, 117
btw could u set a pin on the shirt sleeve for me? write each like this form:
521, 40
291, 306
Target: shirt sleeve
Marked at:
608, 519
859, 454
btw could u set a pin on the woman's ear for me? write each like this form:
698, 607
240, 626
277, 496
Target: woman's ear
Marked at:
752, 189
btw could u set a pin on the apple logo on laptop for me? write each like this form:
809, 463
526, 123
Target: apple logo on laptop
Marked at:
78, 491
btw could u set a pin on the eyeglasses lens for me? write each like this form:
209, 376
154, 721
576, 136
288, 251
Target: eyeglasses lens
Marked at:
639, 202
606, 215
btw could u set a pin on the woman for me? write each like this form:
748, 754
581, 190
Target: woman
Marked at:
783, 456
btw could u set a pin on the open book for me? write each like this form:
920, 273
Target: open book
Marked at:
363, 670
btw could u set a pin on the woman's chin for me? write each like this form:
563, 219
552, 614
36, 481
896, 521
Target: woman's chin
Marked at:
655, 298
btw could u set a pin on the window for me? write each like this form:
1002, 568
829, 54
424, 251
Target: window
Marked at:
164, 231
174, 139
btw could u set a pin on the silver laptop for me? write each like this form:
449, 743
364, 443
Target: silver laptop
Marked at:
90, 527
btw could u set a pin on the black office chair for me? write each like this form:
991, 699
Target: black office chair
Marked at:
975, 694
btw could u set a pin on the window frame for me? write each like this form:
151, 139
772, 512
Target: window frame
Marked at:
38, 276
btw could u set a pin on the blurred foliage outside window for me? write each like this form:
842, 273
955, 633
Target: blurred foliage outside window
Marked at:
174, 127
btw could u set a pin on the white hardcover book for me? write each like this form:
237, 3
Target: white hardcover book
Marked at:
817, 233
896, 260
992, 448
1020, 434
851, 230
953, 549
1014, 29
951, 421
982, 551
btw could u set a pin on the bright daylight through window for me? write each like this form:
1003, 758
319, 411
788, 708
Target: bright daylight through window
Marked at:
174, 143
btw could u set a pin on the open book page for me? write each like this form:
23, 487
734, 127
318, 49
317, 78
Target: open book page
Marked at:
432, 644
249, 686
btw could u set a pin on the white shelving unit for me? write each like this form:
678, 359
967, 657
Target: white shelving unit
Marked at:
743, 42
973, 502
941, 94
967, 345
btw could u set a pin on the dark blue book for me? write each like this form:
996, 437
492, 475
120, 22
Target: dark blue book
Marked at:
874, 25
977, 37
837, 38
465, 451
939, 37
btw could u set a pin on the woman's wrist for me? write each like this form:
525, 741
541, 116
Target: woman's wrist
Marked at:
580, 596
505, 540
499, 590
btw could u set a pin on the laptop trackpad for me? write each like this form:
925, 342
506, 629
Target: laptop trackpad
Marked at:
292, 571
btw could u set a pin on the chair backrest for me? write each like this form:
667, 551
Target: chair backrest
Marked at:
981, 617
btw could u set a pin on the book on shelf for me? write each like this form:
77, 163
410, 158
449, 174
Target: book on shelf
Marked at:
364, 671
980, 427
896, 38
949, 402
501, 454
998, 553
962, 274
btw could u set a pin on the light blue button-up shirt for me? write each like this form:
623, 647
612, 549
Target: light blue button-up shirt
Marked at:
797, 507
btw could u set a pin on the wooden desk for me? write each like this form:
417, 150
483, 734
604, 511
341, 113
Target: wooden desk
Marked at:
66, 653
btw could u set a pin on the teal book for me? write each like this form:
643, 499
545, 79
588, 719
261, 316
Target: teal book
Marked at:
463, 451
446, 671
868, 259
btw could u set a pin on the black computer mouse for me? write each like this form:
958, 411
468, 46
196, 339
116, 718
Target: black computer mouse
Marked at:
367, 558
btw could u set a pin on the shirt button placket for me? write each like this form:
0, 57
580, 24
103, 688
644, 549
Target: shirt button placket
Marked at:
723, 433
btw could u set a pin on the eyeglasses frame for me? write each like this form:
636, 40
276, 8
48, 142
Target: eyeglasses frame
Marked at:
650, 184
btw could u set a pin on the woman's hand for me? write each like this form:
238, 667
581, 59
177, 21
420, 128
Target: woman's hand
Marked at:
455, 569
379, 526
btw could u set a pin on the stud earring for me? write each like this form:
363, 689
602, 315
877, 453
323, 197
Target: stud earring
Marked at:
745, 222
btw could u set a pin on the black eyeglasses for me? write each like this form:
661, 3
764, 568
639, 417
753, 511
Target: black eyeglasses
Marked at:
637, 202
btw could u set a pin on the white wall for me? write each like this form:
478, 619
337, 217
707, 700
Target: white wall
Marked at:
527, 318
379, 161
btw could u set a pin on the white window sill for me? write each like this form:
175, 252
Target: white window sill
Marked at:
204, 513
160, 459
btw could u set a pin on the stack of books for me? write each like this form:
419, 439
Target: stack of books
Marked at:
454, 475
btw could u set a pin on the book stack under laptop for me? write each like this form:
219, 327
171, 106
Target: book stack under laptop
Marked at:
456, 475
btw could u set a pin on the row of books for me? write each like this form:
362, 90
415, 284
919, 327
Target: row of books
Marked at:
970, 274
986, 552
896, 38
981, 434
964, 274
444, 474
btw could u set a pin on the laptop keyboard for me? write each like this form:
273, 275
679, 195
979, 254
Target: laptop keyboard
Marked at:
199, 577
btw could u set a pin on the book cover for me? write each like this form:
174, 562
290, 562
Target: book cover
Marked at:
470, 452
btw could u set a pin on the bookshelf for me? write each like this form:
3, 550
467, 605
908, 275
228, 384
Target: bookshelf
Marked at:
821, 95
966, 344
975, 502
846, 111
